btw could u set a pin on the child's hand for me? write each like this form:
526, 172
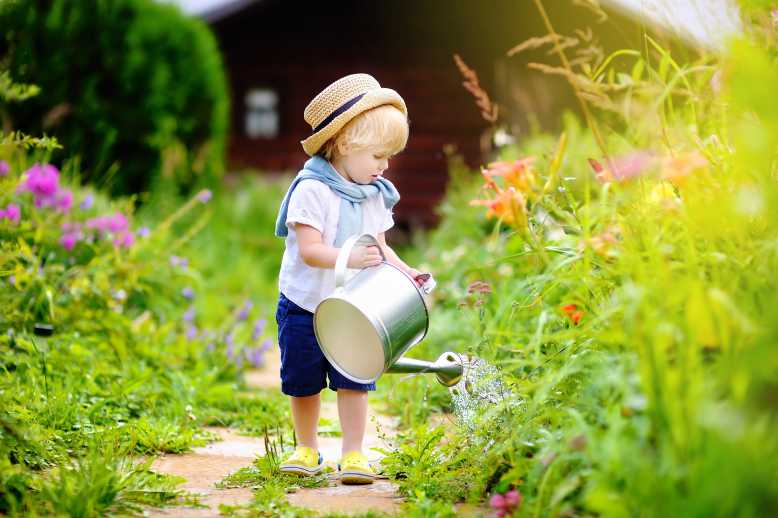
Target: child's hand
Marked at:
364, 257
418, 276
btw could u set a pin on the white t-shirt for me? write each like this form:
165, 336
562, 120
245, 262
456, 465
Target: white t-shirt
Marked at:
313, 203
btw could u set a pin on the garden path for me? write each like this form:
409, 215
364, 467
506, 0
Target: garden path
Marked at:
207, 465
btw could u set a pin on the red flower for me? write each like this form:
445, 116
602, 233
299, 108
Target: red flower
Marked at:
573, 313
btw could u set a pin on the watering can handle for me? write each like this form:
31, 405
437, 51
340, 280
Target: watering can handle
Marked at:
345, 253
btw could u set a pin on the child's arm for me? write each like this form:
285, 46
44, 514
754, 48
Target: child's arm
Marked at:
318, 255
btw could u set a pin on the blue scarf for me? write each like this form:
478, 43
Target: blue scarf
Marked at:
351, 196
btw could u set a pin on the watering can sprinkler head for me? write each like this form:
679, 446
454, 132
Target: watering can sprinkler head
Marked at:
448, 368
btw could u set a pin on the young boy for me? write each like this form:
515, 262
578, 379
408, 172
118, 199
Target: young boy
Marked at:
357, 127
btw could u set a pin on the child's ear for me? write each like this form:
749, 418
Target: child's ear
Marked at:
342, 148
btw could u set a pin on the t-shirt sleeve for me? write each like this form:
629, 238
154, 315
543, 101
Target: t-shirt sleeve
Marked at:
388, 219
307, 205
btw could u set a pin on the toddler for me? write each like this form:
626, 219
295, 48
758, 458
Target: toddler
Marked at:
357, 126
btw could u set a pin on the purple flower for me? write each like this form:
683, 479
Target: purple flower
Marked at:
255, 357
211, 346
188, 293
230, 350
125, 239
189, 315
181, 262
204, 196
41, 180
117, 223
12, 280
87, 202
143, 232
68, 241
64, 200
259, 327
229, 340
191, 332
244, 312
267, 344
12, 212
4, 168
100, 223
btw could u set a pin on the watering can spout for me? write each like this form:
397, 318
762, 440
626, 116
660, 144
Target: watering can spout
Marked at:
448, 368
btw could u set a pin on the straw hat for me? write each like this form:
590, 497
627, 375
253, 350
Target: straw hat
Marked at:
340, 102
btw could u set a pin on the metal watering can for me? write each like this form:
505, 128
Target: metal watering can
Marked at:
367, 324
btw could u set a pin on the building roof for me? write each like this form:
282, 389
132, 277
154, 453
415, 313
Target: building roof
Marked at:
211, 10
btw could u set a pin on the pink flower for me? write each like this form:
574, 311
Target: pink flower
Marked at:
4, 168
125, 239
497, 501
68, 241
12, 212
64, 200
41, 180
117, 223
513, 498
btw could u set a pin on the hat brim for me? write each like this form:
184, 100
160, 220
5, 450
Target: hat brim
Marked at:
372, 99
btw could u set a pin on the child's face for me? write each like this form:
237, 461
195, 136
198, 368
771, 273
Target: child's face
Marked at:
365, 165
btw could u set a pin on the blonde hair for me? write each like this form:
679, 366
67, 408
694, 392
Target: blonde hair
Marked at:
383, 127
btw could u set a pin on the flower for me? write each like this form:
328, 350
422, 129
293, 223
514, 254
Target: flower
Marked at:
125, 239
143, 232
41, 180
12, 213
259, 327
505, 504
624, 167
244, 312
573, 313
117, 223
87, 202
64, 200
513, 498
602, 244
176, 261
255, 356
68, 241
663, 194
191, 332
204, 196
676, 169
188, 293
508, 205
4, 168
517, 174
479, 287
189, 314
497, 501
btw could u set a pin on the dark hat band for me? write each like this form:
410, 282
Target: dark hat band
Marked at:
345, 106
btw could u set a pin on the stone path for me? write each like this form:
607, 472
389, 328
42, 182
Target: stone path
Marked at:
207, 465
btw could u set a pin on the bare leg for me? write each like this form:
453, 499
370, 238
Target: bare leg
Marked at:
352, 409
305, 414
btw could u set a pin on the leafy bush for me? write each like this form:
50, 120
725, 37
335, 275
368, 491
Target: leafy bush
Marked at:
623, 288
133, 88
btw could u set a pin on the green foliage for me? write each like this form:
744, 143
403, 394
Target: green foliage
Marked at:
132, 87
653, 400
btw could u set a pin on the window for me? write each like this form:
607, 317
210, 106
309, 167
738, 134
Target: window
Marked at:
261, 113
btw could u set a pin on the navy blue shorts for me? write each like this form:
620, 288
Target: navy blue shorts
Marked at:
304, 369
